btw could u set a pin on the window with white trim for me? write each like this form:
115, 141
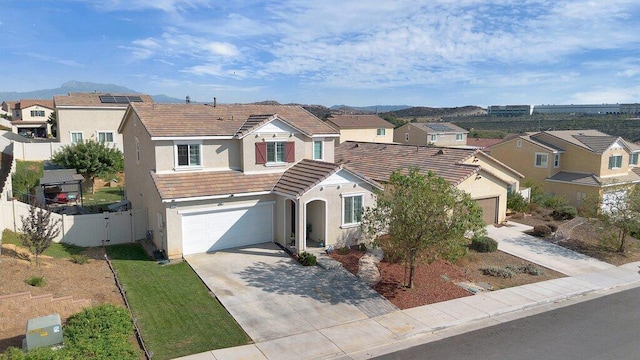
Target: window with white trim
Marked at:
317, 150
615, 161
276, 152
37, 113
434, 137
541, 160
188, 155
633, 159
351, 209
76, 137
105, 136
381, 132
556, 160
519, 143
459, 137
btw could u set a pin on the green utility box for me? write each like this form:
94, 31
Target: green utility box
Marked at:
43, 331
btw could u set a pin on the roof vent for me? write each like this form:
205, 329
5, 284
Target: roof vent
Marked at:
355, 146
440, 152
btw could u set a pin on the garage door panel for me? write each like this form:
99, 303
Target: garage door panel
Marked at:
489, 209
227, 228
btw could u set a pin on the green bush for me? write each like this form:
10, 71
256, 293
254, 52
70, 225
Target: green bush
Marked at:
343, 250
566, 212
362, 247
497, 272
516, 202
79, 259
101, 332
541, 231
37, 281
552, 226
529, 269
484, 244
554, 202
307, 259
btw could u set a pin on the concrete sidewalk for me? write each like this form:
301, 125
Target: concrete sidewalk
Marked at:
405, 328
512, 240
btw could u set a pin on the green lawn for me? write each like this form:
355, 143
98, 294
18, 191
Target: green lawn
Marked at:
56, 250
176, 314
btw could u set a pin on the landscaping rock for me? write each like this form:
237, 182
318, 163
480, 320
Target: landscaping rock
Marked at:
326, 262
368, 270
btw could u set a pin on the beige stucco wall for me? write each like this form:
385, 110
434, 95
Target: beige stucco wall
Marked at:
522, 159
486, 186
500, 171
570, 191
26, 113
366, 135
604, 163
216, 154
89, 122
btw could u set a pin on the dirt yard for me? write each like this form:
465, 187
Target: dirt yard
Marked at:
436, 282
92, 281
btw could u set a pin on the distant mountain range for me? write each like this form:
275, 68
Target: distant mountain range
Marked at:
368, 109
78, 86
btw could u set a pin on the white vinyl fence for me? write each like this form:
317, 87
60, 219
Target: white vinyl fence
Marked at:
85, 230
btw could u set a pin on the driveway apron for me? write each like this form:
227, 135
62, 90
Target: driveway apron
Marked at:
272, 296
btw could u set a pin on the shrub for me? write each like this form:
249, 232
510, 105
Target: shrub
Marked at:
79, 259
343, 250
307, 259
516, 202
362, 247
529, 269
541, 231
484, 244
497, 272
37, 281
566, 212
552, 226
554, 202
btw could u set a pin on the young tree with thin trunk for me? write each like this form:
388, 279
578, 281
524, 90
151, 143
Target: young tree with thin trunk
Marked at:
38, 230
425, 218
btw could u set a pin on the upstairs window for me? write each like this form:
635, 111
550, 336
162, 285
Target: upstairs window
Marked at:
459, 137
633, 159
275, 152
188, 155
519, 143
434, 137
76, 137
317, 150
541, 160
381, 132
105, 136
556, 160
615, 161
37, 113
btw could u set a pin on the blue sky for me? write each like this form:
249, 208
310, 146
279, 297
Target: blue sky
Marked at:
414, 52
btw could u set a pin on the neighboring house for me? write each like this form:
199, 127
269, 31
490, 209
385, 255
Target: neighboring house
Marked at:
437, 134
7, 107
486, 179
93, 116
220, 176
30, 116
573, 163
369, 128
482, 143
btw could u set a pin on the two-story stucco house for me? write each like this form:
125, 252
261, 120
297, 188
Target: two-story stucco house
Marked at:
436, 134
369, 128
93, 116
573, 163
220, 176
485, 179
30, 117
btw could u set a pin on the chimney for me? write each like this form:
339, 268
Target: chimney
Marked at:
187, 100
214, 101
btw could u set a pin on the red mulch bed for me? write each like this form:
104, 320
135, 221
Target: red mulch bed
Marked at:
432, 283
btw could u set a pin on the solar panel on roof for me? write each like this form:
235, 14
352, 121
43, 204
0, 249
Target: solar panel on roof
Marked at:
440, 127
134, 98
107, 99
119, 99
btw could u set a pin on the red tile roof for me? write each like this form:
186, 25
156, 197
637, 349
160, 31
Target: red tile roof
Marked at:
25, 103
377, 161
170, 120
359, 122
93, 99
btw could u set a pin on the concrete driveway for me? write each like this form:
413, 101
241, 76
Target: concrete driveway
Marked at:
271, 296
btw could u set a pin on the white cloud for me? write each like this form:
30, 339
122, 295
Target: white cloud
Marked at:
607, 95
52, 59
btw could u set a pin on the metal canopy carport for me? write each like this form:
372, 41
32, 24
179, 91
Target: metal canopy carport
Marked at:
68, 180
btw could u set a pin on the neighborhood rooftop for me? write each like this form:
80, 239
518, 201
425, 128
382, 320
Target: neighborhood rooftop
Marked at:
377, 161
592, 140
100, 99
444, 128
170, 120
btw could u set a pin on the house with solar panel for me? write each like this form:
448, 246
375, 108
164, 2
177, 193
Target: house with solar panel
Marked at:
434, 134
93, 116
574, 164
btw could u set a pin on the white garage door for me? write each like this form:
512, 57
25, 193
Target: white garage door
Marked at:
226, 228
